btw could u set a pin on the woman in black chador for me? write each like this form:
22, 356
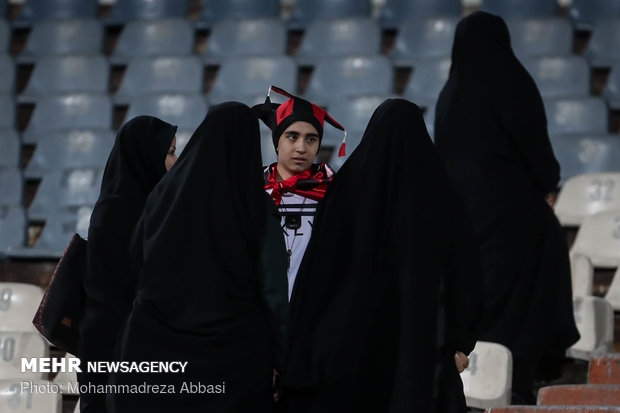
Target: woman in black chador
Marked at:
200, 293
387, 293
491, 131
143, 151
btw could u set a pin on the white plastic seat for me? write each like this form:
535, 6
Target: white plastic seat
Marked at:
595, 321
582, 275
15, 397
18, 305
586, 195
598, 238
487, 382
13, 346
64, 378
613, 294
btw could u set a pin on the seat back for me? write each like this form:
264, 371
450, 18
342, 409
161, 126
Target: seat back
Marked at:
487, 382
18, 304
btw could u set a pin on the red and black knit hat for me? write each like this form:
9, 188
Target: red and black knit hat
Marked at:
278, 117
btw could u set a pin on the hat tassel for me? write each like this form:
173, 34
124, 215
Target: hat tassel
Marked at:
343, 146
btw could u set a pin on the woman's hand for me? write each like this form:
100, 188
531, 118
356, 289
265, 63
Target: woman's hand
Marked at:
461, 360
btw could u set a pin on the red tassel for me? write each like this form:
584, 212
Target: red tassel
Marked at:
342, 150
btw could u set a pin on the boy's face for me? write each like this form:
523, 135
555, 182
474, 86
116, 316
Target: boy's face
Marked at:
297, 148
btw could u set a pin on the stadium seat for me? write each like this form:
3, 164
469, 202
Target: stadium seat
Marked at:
69, 188
61, 38
14, 399
154, 38
214, 11
487, 382
576, 116
350, 77
520, 8
244, 38
585, 195
613, 294
7, 111
184, 111
611, 93
128, 10
541, 37
5, 35
12, 227
339, 37
429, 119
183, 136
247, 79
76, 149
602, 49
586, 13
353, 114
66, 74
13, 346
63, 379
33, 11
598, 239
581, 154
68, 112
7, 74
59, 228
158, 75
419, 40
561, 76
3, 7
10, 144
11, 184
427, 80
582, 275
395, 12
306, 11
18, 304
267, 150
595, 321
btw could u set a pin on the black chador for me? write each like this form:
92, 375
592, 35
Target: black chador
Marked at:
491, 131
200, 294
387, 292
135, 165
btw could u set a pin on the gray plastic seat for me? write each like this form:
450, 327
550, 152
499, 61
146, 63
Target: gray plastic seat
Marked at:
429, 120
12, 227
602, 50
11, 186
36, 10
7, 111
563, 76
246, 79
349, 77
128, 10
68, 112
611, 93
75, 149
576, 116
354, 115
5, 35
7, 74
427, 80
11, 147
149, 76
245, 38
521, 8
170, 37
339, 37
64, 189
63, 37
214, 11
586, 13
306, 11
419, 40
581, 154
67, 74
541, 36
185, 111
395, 12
